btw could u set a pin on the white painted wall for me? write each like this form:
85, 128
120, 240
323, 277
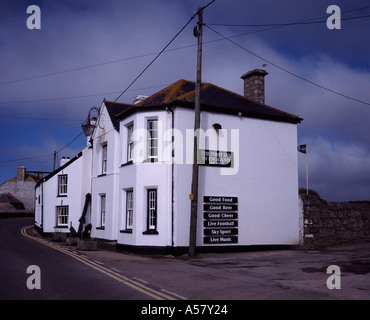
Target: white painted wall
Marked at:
140, 177
264, 178
105, 183
78, 187
266, 183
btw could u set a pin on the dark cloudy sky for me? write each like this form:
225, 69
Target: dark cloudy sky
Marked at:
90, 50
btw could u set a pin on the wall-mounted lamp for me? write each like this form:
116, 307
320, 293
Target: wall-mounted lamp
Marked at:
90, 124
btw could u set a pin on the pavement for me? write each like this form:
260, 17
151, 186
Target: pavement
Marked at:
263, 275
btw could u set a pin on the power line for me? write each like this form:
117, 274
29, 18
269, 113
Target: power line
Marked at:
70, 142
38, 119
78, 97
168, 50
157, 56
287, 71
282, 24
42, 156
94, 65
28, 158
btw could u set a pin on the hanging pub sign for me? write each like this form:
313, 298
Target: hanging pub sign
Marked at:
220, 220
215, 158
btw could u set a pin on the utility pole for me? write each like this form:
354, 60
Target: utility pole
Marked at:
198, 32
306, 169
55, 160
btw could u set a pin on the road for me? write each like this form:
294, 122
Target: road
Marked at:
64, 275
106, 274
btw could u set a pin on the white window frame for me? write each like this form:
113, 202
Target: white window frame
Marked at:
152, 140
104, 158
129, 209
103, 209
62, 216
62, 184
152, 209
130, 142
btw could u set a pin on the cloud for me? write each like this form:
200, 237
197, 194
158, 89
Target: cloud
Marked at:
338, 171
336, 128
77, 34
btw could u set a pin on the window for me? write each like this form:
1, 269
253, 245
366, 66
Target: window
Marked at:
103, 204
104, 159
152, 139
62, 184
62, 216
130, 143
129, 209
152, 212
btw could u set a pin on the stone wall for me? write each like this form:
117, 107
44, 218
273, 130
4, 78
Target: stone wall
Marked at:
22, 190
330, 223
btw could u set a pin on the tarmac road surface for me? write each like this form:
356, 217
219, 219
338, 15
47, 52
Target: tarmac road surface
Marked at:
266, 275
57, 273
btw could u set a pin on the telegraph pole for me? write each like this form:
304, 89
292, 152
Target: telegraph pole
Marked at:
55, 160
198, 32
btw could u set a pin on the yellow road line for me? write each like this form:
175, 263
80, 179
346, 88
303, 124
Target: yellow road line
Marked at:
158, 295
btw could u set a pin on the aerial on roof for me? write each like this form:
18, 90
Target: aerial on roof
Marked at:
213, 98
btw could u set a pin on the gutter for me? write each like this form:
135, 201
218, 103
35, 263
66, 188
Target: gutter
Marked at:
172, 177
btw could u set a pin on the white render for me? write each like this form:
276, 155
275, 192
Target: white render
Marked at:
264, 178
266, 182
47, 198
105, 183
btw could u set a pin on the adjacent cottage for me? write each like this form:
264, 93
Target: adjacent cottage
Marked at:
62, 195
140, 157
19, 192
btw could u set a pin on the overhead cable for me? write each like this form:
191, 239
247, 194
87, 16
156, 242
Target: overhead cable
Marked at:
286, 70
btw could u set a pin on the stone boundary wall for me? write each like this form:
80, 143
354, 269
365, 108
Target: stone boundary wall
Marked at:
17, 214
331, 223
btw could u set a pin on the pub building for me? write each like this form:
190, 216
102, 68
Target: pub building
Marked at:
140, 159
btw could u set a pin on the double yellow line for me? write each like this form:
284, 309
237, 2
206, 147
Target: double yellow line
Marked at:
155, 294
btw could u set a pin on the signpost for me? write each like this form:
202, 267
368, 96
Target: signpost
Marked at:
220, 220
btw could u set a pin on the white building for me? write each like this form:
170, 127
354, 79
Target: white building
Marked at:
141, 173
61, 195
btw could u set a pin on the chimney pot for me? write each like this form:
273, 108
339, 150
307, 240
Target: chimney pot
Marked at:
254, 85
63, 161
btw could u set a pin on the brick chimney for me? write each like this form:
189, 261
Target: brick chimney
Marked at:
21, 173
254, 85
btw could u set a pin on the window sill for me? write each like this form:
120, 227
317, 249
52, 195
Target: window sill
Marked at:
151, 232
126, 231
127, 163
61, 227
151, 160
101, 175
100, 228
62, 196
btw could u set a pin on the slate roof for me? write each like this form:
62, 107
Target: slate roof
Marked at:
115, 108
213, 98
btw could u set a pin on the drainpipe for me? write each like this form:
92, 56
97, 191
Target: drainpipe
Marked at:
172, 178
42, 205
